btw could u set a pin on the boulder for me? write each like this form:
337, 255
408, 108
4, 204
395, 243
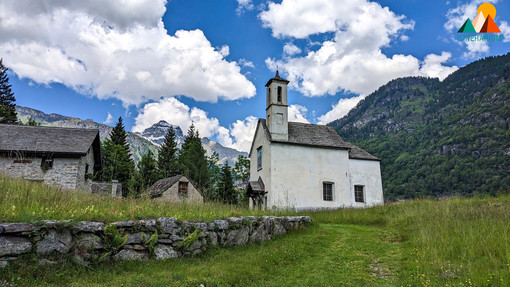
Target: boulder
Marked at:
11, 245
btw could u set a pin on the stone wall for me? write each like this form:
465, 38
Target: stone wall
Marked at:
163, 238
113, 188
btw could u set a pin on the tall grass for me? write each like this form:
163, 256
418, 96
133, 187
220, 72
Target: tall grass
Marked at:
25, 201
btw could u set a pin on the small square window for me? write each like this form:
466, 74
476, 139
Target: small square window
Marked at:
359, 195
327, 191
46, 163
183, 187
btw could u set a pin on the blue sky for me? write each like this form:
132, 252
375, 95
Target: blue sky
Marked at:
207, 62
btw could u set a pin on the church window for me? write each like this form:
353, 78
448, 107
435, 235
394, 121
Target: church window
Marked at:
259, 158
280, 95
359, 195
327, 191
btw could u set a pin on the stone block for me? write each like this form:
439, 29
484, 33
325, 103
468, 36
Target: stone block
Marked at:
136, 238
131, 255
59, 241
238, 236
89, 226
169, 225
165, 252
17, 227
12, 245
89, 241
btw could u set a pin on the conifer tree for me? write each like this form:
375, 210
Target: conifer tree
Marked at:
193, 161
8, 113
167, 157
119, 135
226, 190
147, 174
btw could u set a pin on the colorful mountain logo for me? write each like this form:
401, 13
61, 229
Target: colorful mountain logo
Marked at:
484, 21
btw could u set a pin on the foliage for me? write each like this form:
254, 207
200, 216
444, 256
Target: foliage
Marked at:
438, 138
147, 173
32, 122
225, 189
113, 237
151, 242
450, 242
117, 163
118, 135
193, 160
242, 169
211, 193
7, 106
167, 158
186, 243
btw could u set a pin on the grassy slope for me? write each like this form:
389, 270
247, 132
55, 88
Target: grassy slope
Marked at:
454, 242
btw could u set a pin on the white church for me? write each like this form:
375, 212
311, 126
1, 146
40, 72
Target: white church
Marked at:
304, 166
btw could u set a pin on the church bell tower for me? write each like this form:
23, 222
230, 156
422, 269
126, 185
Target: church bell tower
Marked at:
277, 119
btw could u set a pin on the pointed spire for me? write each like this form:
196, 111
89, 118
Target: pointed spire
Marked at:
277, 76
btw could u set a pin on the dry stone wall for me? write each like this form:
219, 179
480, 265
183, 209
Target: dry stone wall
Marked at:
89, 242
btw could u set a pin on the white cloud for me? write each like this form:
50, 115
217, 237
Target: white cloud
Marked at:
339, 110
115, 49
456, 18
238, 136
432, 66
109, 119
245, 63
505, 29
297, 114
290, 49
243, 5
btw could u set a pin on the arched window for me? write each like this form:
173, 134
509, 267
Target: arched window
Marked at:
279, 94
268, 95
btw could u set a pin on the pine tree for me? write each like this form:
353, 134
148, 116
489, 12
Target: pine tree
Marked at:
118, 163
242, 169
119, 135
193, 161
8, 113
226, 190
167, 157
147, 173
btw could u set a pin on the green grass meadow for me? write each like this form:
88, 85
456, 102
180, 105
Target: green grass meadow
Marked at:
451, 242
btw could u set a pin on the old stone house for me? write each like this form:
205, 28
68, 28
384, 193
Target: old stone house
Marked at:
175, 189
306, 166
63, 157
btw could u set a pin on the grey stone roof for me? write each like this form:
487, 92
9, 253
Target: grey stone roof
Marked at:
276, 78
162, 185
318, 136
48, 140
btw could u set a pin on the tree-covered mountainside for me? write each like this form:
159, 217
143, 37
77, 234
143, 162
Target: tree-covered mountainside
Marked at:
439, 138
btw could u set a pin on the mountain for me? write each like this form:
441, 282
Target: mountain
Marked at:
138, 144
439, 138
224, 153
157, 132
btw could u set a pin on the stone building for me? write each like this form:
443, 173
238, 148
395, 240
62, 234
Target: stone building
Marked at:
63, 157
305, 166
175, 189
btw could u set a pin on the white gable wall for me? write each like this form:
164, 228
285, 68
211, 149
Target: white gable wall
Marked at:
260, 140
368, 174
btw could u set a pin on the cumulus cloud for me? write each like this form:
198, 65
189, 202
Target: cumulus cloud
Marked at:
115, 49
290, 49
245, 63
243, 5
351, 60
339, 110
109, 119
239, 135
297, 113
505, 29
